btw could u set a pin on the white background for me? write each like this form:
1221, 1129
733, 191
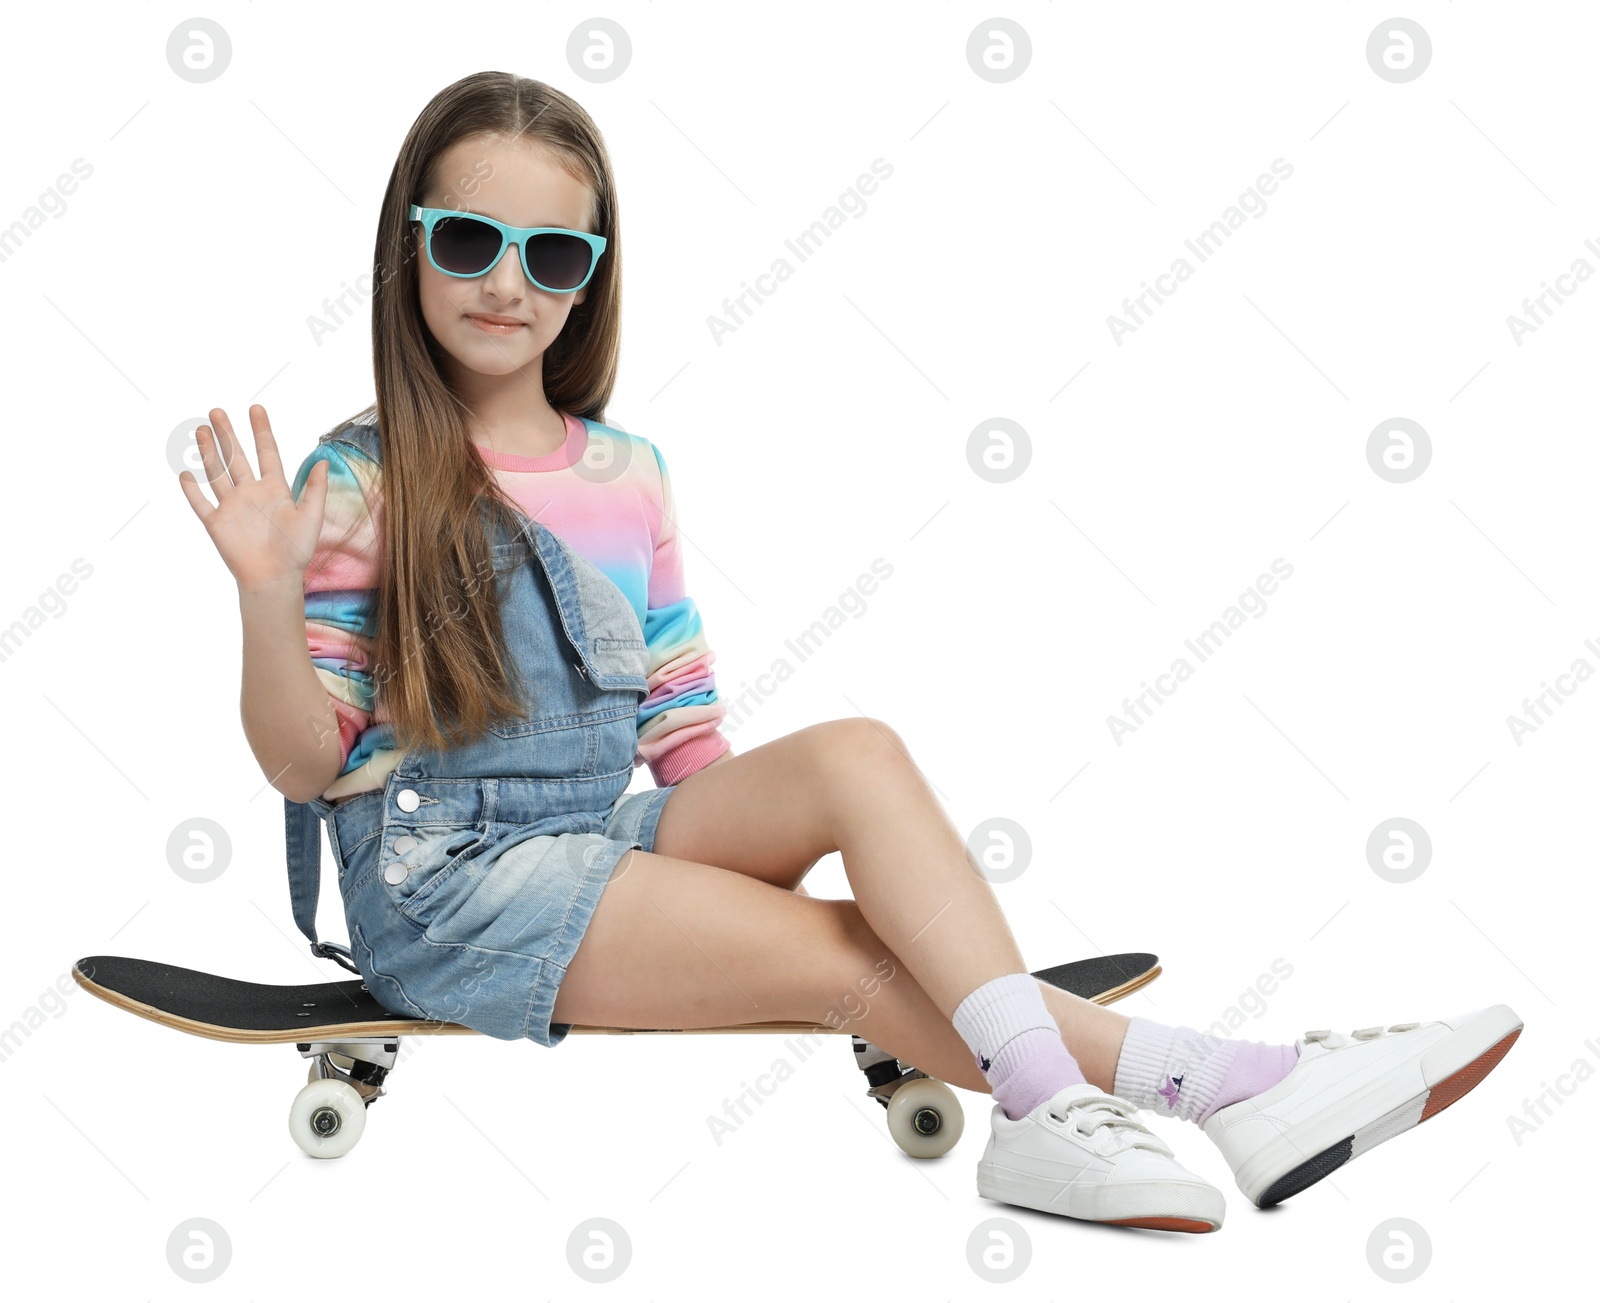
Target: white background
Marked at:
831, 429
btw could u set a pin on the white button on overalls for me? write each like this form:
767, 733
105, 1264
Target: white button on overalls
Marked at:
408, 800
396, 872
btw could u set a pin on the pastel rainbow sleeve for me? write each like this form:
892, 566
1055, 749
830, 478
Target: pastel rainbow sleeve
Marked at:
341, 591
679, 718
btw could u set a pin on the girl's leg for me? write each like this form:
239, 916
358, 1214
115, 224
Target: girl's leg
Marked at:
850, 786
674, 943
1058, 1142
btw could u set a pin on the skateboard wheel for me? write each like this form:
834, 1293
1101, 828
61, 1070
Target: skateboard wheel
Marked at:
327, 1117
925, 1118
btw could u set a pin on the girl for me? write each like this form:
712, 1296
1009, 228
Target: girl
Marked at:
491, 584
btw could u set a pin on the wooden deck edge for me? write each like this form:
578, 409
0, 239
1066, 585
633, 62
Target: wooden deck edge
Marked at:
418, 1027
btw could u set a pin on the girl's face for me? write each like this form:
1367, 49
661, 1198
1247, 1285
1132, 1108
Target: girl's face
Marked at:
518, 183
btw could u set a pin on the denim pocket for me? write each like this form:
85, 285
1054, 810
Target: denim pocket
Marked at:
415, 861
629, 656
569, 752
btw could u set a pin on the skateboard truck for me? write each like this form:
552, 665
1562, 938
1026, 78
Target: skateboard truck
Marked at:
884, 1072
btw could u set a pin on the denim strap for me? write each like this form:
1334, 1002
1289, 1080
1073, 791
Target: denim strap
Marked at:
303, 826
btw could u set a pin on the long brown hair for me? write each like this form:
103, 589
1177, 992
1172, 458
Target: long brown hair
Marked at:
438, 654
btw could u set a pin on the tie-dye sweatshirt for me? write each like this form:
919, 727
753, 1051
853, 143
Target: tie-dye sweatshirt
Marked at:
622, 522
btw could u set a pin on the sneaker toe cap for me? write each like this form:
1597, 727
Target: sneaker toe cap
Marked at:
1129, 1197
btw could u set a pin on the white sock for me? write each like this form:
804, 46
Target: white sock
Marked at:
1016, 1042
1174, 1071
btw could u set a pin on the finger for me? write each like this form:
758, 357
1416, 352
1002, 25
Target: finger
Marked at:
315, 494
232, 452
266, 446
216, 473
198, 500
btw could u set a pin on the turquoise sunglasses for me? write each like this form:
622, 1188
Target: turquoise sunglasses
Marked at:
555, 259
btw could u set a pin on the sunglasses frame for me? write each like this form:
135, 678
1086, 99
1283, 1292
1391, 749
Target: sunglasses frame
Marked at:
517, 235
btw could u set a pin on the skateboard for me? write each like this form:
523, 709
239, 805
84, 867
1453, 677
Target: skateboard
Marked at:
353, 1042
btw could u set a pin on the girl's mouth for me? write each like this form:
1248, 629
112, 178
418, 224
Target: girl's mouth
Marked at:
495, 327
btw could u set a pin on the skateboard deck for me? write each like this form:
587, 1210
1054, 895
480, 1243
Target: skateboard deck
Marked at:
353, 1042
227, 1009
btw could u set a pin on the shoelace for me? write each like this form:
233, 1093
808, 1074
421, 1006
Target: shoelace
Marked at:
1110, 1111
1360, 1034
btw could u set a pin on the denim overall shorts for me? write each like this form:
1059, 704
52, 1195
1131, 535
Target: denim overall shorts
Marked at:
470, 877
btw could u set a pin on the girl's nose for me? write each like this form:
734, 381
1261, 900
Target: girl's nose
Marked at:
506, 280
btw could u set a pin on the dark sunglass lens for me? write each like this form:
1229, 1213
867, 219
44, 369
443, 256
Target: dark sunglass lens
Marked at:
557, 261
464, 245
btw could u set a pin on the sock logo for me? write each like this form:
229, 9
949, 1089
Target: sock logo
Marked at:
983, 1063
1169, 1092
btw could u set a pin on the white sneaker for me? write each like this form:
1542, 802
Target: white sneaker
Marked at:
1348, 1094
1083, 1153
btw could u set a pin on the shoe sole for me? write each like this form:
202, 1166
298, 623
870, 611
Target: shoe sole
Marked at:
1435, 1099
1029, 1192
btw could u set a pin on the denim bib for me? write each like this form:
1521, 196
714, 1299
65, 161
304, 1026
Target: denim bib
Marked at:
468, 879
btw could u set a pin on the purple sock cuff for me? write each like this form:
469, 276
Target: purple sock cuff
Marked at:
1031, 1068
1255, 1068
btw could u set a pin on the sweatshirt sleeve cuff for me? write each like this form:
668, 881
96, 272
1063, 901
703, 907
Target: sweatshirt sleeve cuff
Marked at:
688, 758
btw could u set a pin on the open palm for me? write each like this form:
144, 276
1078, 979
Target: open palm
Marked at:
264, 536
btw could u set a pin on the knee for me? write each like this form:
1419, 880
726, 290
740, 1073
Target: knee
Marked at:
856, 746
852, 766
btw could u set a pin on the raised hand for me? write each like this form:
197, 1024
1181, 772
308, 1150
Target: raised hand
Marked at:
264, 536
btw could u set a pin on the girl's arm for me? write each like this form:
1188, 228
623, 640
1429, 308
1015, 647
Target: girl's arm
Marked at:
337, 623
279, 545
289, 718
678, 721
